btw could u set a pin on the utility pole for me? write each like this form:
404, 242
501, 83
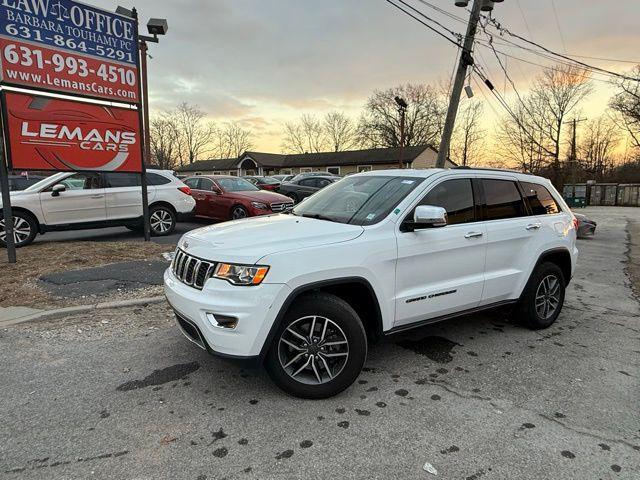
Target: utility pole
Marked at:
466, 60
574, 154
402, 109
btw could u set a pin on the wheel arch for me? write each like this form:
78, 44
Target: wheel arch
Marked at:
28, 212
559, 256
164, 204
356, 291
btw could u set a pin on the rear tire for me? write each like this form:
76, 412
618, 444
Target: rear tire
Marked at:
162, 220
543, 297
25, 229
323, 363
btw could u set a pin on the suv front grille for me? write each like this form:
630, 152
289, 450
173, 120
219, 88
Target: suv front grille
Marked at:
281, 207
191, 270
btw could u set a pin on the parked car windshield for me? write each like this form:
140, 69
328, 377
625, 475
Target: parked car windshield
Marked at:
236, 185
45, 181
268, 181
358, 200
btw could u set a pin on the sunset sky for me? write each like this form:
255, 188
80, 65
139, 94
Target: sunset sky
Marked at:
265, 62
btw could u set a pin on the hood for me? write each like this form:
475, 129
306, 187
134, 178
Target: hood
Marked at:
248, 240
263, 196
16, 193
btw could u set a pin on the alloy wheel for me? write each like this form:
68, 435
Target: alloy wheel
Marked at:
548, 297
238, 213
161, 221
313, 350
21, 230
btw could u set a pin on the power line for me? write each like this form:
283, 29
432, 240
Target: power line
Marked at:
555, 14
423, 23
500, 28
524, 18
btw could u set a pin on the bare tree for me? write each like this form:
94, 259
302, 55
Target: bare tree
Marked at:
379, 124
596, 150
196, 134
626, 103
340, 131
535, 129
232, 140
468, 137
305, 135
520, 141
165, 141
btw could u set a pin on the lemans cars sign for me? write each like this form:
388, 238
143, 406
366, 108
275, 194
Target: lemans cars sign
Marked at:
53, 134
69, 47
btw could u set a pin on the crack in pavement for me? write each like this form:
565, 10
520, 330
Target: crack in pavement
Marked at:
503, 405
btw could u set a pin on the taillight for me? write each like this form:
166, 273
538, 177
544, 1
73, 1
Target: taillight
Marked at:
186, 190
576, 223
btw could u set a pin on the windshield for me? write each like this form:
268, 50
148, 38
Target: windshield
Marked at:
45, 181
236, 185
358, 200
268, 181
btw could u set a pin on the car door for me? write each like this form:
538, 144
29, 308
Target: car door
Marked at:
441, 270
82, 201
221, 202
306, 187
124, 195
511, 235
208, 198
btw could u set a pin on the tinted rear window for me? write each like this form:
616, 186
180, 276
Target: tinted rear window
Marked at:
155, 179
503, 199
540, 199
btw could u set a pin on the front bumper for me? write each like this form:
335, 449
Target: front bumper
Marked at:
255, 308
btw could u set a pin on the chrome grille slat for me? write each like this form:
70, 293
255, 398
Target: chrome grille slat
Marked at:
192, 271
280, 207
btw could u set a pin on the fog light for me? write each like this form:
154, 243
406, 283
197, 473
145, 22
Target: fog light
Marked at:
222, 321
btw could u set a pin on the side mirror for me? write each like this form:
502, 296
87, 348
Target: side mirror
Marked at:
428, 216
58, 189
216, 190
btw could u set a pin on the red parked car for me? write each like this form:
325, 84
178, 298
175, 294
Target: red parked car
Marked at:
223, 197
263, 183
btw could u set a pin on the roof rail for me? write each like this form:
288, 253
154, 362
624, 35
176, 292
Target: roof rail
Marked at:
467, 167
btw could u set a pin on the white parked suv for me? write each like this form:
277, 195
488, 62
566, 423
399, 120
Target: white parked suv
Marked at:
75, 201
371, 255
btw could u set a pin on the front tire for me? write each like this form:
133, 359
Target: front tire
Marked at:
238, 212
319, 349
543, 298
162, 220
25, 229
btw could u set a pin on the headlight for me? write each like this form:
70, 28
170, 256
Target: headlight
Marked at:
260, 206
241, 274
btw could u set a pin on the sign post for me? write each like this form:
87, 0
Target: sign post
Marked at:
7, 214
71, 48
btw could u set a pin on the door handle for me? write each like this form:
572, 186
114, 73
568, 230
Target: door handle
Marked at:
473, 235
97, 196
533, 226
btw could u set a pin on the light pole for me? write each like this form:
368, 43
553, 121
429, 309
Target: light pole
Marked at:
402, 109
155, 27
466, 60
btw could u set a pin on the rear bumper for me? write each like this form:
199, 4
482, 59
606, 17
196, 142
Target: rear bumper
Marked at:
186, 216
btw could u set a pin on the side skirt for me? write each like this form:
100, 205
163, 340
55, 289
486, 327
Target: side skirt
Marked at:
442, 318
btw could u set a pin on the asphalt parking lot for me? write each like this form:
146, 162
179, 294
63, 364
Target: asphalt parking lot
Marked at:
115, 234
123, 395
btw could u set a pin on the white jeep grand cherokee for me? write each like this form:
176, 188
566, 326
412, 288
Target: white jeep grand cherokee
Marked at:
371, 255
